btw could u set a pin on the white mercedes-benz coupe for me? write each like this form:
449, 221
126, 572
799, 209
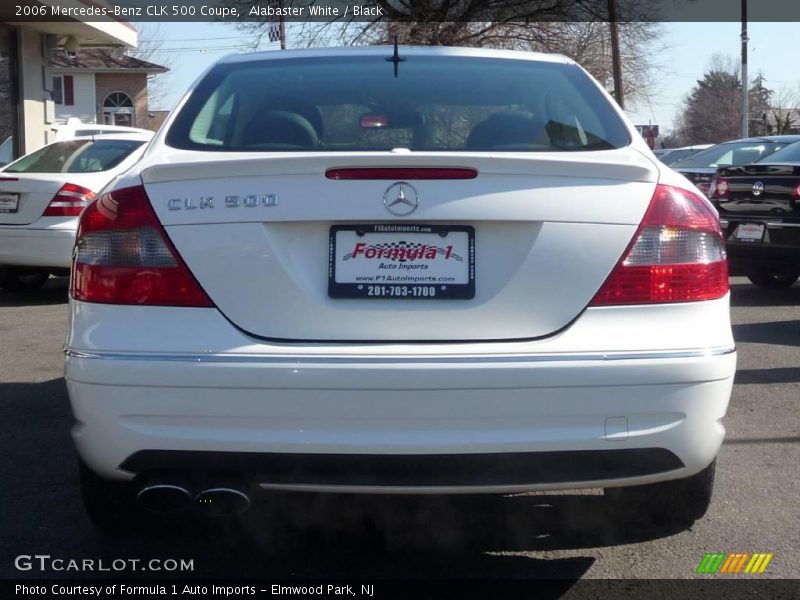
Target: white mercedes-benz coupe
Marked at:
409, 270
42, 195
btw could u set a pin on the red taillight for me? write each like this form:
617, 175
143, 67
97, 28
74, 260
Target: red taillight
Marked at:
401, 173
123, 256
677, 255
719, 189
69, 201
796, 192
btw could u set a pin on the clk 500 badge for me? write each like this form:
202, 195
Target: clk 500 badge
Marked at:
249, 201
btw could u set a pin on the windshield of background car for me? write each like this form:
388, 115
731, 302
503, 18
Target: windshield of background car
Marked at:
434, 103
6, 151
726, 155
76, 156
675, 155
789, 154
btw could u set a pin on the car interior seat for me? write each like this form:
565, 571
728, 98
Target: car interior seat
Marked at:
745, 156
280, 129
505, 129
305, 109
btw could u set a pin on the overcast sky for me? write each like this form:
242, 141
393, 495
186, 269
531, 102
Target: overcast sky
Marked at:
192, 47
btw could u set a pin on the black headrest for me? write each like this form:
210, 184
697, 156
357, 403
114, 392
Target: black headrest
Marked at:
280, 127
302, 107
504, 129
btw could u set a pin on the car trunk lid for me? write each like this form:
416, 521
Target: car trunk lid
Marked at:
256, 231
760, 191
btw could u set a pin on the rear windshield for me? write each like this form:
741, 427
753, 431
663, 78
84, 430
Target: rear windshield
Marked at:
790, 153
733, 153
76, 156
434, 103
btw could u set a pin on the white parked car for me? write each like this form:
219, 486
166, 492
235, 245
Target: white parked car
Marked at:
75, 128
42, 195
451, 271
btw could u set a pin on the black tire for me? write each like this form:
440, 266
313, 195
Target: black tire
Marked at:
677, 502
773, 279
110, 505
23, 280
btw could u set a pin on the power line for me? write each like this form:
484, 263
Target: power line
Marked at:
229, 37
197, 49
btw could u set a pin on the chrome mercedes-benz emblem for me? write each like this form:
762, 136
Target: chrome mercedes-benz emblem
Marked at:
758, 188
401, 199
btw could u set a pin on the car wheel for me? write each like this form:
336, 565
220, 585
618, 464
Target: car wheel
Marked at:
676, 502
110, 505
773, 279
23, 280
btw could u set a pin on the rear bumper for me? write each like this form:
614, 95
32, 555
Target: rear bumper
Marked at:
411, 424
780, 247
160, 387
742, 257
46, 243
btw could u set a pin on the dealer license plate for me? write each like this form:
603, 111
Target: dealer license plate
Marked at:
402, 261
749, 232
9, 203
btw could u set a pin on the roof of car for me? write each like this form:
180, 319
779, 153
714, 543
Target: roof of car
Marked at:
145, 137
114, 128
767, 138
346, 51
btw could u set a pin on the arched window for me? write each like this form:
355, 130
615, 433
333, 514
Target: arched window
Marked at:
118, 109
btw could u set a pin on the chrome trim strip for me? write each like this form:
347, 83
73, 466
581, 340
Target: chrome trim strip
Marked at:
296, 359
772, 224
474, 489
778, 224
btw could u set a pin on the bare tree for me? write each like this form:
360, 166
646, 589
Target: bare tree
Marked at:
760, 104
151, 48
713, 108
723, 63
784, 114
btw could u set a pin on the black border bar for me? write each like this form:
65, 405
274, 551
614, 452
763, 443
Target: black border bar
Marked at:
344, 11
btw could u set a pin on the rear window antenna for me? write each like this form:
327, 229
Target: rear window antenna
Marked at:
395, 58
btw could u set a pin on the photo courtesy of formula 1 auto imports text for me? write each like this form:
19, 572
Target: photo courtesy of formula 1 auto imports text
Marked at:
392, 299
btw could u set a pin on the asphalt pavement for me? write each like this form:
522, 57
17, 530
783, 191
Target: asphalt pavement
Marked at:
755, 508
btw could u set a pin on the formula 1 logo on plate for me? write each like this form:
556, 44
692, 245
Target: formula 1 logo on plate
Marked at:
402, 251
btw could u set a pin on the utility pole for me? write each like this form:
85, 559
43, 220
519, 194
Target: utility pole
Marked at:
745, 87
616, 61
282, 26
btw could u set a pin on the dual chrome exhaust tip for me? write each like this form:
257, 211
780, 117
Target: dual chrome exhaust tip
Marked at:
221, 499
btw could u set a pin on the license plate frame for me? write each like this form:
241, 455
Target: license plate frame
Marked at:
751, 233
9, 202
405, 288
